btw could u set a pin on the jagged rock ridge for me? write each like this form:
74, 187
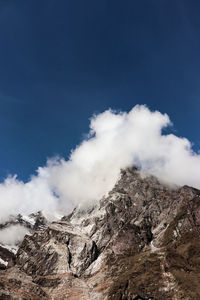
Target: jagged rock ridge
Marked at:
139, 242
15, 224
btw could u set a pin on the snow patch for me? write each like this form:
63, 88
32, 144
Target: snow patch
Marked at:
3, 262
12, 249
29, 219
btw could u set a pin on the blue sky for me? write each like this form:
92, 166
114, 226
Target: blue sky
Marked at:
61, 61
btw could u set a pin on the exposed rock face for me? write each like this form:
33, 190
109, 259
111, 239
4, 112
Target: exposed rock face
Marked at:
142, 241
17, 226
64, 250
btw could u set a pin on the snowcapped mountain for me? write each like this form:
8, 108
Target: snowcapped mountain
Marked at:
141, 241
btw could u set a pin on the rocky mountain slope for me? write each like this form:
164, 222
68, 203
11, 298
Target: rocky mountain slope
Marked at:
12, 232
141, 241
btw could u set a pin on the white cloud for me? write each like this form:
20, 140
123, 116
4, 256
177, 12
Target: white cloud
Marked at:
13, 234
115, 141
19, 197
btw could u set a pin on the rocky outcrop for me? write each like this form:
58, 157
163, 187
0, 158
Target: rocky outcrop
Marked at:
141, 241
57, 250
17, 227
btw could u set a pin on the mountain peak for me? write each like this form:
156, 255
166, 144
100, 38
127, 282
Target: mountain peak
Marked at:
135, 243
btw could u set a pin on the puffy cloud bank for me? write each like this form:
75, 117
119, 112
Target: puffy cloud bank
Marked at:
116, 140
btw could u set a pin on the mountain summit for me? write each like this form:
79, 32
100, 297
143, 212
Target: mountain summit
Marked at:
141, 241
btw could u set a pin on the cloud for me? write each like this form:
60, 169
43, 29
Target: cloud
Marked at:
19, 197
12, 235
116, 140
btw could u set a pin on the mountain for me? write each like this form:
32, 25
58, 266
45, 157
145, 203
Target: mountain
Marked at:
13, 230
141, 241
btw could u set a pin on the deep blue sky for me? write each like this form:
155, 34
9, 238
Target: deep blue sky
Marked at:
61, 61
